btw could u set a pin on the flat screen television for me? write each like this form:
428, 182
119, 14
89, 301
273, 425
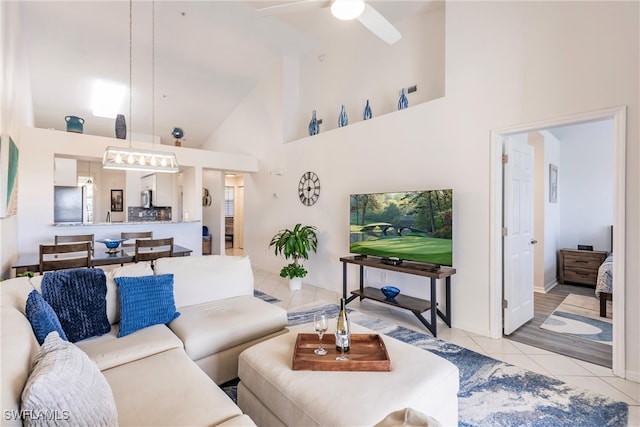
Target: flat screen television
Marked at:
410, 225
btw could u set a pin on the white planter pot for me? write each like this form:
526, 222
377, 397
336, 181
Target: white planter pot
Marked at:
295, 284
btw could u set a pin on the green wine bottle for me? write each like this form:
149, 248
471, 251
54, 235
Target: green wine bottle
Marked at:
343, 324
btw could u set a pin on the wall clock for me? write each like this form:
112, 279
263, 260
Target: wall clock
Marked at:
309, 188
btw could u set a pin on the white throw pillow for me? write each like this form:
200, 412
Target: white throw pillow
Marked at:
408, 417
65, 387
130, 270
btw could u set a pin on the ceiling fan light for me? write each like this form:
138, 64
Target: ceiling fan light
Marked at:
347, 9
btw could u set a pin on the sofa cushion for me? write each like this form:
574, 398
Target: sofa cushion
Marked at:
408, 417
168, 389
145, 301
78, 298
64, 383
19, 349
42, 317
108, 350
130, 270
214, 326
198, 279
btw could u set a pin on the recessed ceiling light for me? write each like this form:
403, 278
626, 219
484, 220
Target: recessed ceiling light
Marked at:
107, 99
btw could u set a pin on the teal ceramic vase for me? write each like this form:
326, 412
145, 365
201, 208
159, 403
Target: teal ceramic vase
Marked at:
74, 124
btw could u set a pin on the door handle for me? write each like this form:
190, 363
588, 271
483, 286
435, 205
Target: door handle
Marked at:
534, 241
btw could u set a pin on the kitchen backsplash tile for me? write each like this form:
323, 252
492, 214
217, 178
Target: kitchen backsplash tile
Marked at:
137, 213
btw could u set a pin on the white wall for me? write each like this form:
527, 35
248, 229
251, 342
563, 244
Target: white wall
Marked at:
16, 111
212, 216
506, 63
353, 67
585, 185
552, 229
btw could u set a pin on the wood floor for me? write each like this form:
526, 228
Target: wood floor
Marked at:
531, 333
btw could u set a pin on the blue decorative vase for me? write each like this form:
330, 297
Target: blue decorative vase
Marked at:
74, 124
367, 114
403, 102
314, 127
121, 127
177, 133
343, 120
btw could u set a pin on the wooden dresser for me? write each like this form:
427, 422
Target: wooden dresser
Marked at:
580, 266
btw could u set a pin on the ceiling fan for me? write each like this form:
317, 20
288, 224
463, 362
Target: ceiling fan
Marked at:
345, 10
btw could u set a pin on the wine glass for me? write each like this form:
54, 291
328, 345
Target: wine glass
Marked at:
320, 325
342, 335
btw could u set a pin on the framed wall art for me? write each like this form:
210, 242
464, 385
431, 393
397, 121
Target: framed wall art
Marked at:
8, 176
117, 200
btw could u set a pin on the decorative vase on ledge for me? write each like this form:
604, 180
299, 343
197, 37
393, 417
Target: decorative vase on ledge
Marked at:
403, 102
367, 114
314, 127
121, 127
343, 120
178, 134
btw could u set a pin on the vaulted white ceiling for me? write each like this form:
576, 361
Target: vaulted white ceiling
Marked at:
208, 56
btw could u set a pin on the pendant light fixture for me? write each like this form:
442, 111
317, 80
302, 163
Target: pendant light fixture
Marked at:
124, 158
90, 179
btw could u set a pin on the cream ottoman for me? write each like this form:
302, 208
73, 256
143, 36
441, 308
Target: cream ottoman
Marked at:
273, 394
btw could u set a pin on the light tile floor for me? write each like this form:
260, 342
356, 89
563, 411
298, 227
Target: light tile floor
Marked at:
572, 371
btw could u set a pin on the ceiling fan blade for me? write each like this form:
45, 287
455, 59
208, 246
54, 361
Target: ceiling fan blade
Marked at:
378, 25
298, 6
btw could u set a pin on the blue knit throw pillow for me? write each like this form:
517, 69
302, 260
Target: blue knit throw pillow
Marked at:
145, 301
78, 296
42, 317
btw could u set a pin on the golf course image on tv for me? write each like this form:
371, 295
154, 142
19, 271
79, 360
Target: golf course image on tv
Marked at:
410, 225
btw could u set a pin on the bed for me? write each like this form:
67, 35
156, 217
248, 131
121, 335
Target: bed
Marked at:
604, 284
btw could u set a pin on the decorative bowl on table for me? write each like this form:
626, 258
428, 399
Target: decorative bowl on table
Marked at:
111, 244
390, 292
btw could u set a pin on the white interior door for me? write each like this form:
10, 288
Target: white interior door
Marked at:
518, 236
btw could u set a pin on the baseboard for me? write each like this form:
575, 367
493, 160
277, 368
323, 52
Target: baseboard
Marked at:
633, 376
547, 287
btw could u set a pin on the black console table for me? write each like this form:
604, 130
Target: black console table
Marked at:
416, 305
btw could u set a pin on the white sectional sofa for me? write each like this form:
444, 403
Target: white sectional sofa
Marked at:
162, 374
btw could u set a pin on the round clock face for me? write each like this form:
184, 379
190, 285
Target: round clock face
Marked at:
309, 188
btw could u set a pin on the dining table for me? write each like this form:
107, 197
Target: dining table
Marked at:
101, 256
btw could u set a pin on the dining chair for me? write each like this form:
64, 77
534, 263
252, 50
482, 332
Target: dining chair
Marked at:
68, 255
75, 238
135, 235
152, 249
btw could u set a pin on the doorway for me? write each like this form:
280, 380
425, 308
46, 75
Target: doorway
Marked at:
234, 213
617, 115
582, 214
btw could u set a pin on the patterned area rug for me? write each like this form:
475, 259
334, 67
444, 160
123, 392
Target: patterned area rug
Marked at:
265, 297
492, 393
579, 316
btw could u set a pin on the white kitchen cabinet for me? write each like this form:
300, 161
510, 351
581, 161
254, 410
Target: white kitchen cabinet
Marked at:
161, 186
65, 172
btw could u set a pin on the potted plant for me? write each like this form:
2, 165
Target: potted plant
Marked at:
295, 245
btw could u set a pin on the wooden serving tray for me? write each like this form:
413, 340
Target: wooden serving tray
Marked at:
367, 352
